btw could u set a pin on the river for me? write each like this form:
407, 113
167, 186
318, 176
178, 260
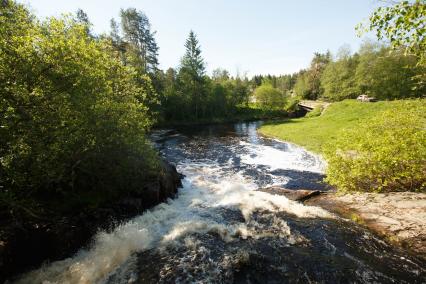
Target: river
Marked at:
221, 229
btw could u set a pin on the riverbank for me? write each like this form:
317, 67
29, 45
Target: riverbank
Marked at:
26, 243
399, 217
313, 133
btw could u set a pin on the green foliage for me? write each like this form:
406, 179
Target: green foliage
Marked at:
313, 133
301, 88
141, 49
308, 84
386, 75
269, 97
386, 153
374, 71
284, 83
191, 75
368, 146
338, 79
404, 25
292, 104
190, 95
72, 117
315, 112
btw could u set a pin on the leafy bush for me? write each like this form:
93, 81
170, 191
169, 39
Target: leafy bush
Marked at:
387, 153
292, 104
269, 97
315, 112
72, 117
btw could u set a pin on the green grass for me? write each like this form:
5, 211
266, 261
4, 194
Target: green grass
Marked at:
314, 132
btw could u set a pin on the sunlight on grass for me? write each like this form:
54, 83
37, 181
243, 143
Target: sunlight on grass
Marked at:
312, 133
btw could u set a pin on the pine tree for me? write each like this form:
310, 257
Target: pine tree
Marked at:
192, 71
192, 60
137, 32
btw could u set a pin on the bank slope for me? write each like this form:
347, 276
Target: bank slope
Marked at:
314, 132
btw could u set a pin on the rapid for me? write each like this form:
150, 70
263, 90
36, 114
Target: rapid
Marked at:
221, 229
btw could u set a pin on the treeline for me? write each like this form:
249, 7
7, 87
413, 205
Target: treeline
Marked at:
375, 70
187, 93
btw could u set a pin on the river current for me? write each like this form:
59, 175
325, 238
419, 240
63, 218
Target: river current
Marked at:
222, 229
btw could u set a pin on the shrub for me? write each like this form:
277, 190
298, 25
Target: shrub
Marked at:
270, 97
292, 104
315, 112
387, 153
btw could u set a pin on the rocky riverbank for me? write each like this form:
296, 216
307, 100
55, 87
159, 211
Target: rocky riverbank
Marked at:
399, 217
25, 244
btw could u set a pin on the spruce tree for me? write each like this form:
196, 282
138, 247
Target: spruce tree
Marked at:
192, 71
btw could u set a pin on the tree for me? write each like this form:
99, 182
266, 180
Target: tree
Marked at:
82, 18
143, 49
338, 79
404, 25
301, 88
220, 74
114, 33
117, 42
72, 117
308, 85
386, 75
192, 71
268, 96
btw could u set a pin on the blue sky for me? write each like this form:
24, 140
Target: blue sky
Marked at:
257, 37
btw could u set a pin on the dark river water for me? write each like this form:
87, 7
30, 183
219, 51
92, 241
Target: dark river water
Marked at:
221, 229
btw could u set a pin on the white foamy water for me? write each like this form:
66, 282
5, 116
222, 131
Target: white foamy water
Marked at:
206, 189
292, 157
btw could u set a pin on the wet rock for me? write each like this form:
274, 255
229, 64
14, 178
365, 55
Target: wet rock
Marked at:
151, 194
131, 203
400, 217
299, 195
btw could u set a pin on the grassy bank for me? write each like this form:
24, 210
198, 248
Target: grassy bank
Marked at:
378, 147
314, 132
